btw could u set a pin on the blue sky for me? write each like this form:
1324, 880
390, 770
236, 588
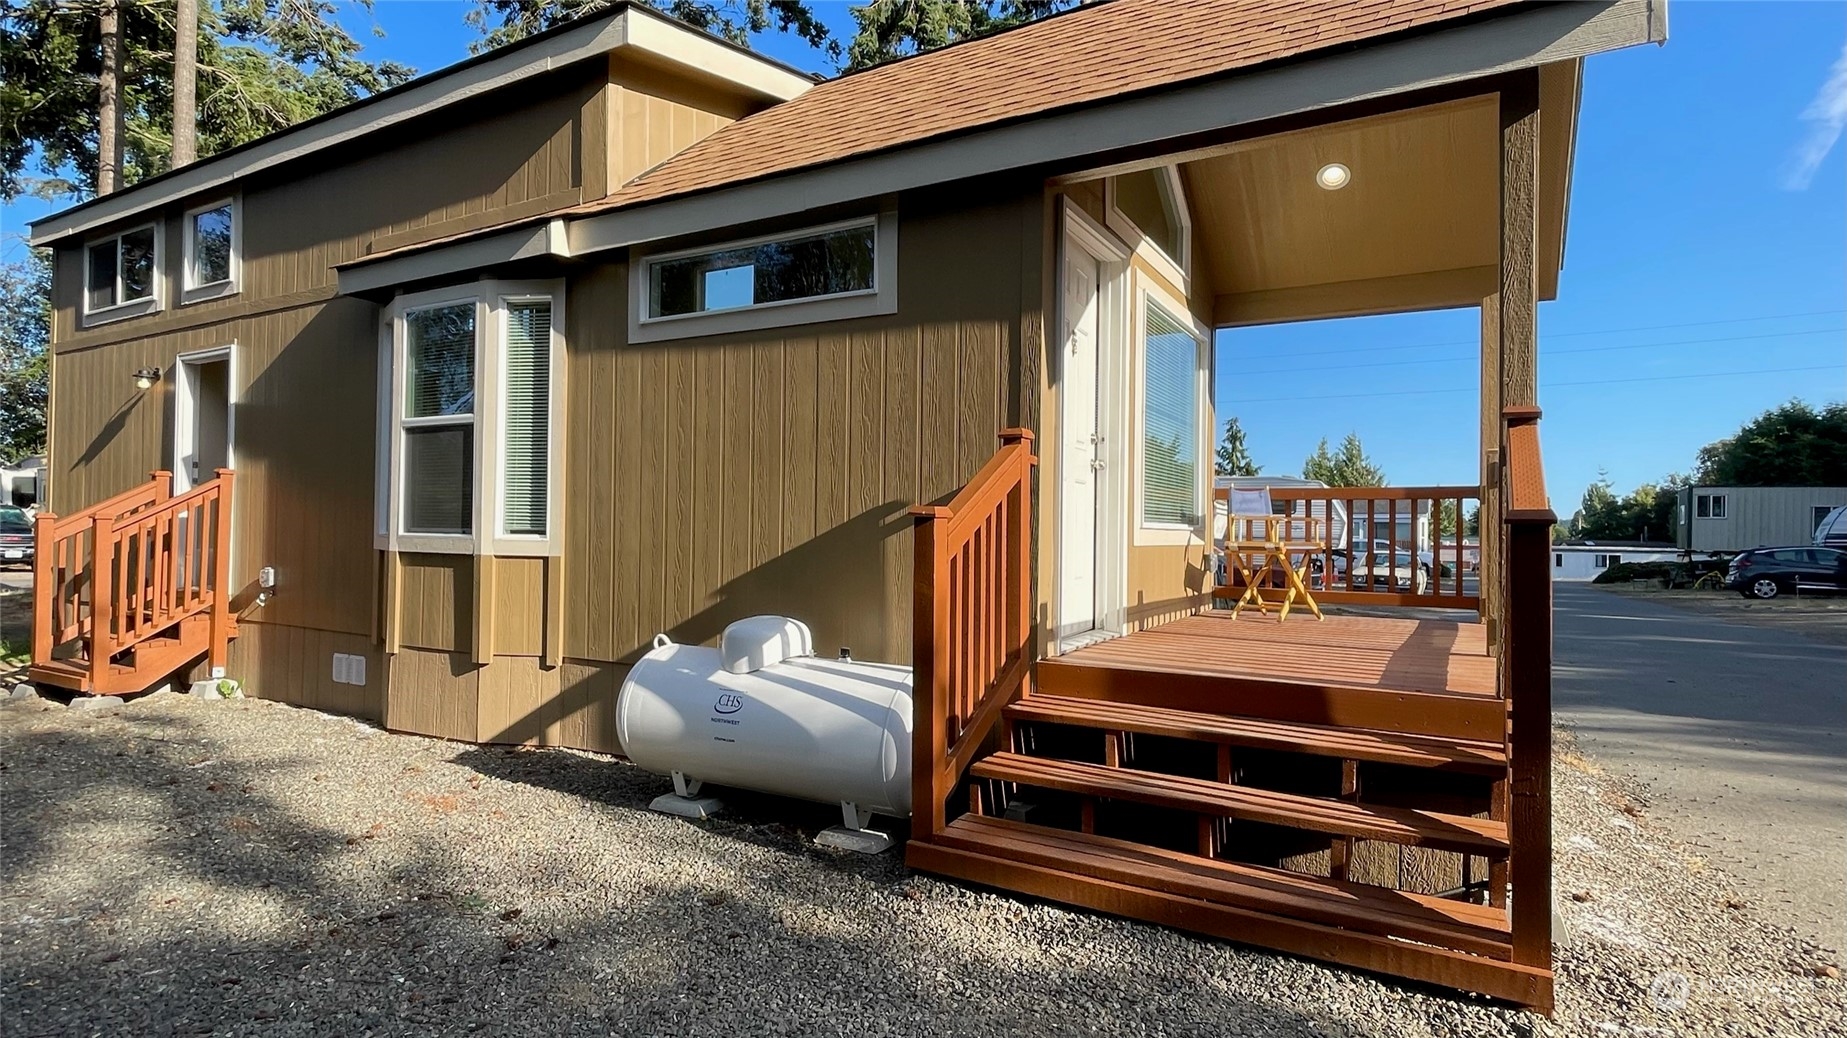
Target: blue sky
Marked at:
1689, 253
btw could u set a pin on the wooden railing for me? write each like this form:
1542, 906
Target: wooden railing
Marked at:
1525, 667
1345, 521
972, 624
122, 571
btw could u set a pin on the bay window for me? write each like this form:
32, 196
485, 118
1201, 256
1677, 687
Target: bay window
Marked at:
471, 456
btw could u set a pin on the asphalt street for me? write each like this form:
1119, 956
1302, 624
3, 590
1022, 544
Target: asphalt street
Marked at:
1739, 731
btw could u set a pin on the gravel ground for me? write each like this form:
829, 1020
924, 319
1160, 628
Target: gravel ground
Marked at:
176, 866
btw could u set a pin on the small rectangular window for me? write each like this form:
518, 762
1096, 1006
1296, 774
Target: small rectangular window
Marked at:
123, 271
813, 266
1558, 560
1702, 506
1171, 416
210, 251
1718, 506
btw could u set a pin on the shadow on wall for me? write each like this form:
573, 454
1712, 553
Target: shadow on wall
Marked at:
841, 583
118, 421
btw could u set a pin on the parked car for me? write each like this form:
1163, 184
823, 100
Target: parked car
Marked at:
1390, 571
1769, 572
1831, 532
16, 539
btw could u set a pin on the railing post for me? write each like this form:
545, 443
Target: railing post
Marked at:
1526, 670
45, 595
163, 485
929, 669
102, 596
219, 652
1019, 547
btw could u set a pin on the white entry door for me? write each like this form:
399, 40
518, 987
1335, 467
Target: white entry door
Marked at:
1081, 453
202, 422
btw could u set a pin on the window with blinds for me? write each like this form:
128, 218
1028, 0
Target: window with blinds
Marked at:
1170, 471
525, 424
468, 393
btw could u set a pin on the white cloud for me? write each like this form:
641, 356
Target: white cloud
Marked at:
1827, 116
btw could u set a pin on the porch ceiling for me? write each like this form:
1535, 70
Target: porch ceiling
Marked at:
1415, 228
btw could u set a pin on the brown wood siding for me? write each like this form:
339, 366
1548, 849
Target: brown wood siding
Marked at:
654, 117
295, 665
721, 477
303, 444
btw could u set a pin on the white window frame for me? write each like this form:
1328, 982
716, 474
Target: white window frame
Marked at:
121, 310
1718, 506
1156, 533
490, 299
198, 292
1176, 269
881, 298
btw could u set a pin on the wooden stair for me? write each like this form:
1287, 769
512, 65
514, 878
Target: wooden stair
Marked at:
1336, 817
1487, 758
135, 670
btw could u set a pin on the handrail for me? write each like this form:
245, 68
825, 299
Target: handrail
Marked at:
1371, 507
1525, 666
123, 571
971, 642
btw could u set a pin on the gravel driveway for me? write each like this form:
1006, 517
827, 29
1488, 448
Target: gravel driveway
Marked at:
239, 868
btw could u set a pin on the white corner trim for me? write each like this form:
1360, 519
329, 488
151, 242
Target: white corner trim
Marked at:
881, 299
1148, 290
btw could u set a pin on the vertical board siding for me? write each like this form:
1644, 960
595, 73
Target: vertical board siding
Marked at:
771, 472
295, 665
654, 118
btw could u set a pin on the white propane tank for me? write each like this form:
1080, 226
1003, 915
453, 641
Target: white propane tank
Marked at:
762, 712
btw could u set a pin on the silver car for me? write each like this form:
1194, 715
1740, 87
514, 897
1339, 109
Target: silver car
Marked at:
1390, 571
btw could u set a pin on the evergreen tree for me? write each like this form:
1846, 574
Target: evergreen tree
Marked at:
504, 21
1234, 458
891, 29
1347, 467
1791, 445
263, 65
25, 334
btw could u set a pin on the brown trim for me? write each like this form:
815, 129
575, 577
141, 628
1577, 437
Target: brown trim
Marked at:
472, 222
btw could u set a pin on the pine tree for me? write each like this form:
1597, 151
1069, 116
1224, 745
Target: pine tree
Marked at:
1348, 467
1234, 458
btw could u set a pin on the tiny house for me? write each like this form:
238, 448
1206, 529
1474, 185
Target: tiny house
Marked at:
630, 332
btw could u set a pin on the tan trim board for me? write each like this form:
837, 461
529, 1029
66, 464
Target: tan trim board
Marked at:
186, 320
1434, 290
546, 239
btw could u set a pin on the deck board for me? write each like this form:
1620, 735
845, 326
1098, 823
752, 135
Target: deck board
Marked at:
1385, 653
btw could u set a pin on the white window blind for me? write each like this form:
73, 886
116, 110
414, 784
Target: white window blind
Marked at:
1170, 421
439, 404
526, 418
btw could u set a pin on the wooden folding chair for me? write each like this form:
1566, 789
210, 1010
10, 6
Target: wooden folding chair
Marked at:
1259, 543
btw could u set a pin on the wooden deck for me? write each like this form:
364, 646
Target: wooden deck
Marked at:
1361, 652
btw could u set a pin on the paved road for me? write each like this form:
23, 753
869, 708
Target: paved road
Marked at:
15, 578
1740, 731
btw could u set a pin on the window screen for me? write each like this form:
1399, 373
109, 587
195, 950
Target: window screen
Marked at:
439, 403
1170, 421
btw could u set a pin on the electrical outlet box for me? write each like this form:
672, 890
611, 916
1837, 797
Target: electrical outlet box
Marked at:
266, 578
349, 669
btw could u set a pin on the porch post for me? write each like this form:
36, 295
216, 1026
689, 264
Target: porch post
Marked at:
1513, 313
1488, 576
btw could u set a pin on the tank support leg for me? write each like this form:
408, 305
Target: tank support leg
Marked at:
686, 787
685, 801
855, 833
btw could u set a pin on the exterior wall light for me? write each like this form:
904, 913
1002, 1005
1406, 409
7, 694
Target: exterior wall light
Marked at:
1333, 176
146, 377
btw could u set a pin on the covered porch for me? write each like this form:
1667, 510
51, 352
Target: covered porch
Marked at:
1095, 727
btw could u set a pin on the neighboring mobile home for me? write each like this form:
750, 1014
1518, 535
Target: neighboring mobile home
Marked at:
1585, 561
1728, 519
468, 390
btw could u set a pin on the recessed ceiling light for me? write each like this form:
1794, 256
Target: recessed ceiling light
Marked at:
1333, 176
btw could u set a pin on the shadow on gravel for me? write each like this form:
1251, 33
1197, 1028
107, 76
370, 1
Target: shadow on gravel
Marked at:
151, 888
775, 822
